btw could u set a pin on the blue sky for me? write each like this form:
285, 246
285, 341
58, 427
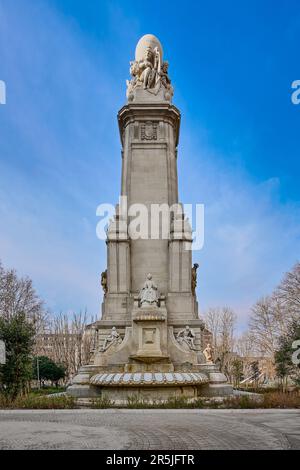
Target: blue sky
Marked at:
232, 63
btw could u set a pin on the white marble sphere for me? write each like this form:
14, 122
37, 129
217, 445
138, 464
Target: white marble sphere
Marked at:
148, 40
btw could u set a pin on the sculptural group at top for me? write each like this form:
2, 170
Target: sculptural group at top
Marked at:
149, 71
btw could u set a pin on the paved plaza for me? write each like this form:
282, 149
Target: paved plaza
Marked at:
150, 429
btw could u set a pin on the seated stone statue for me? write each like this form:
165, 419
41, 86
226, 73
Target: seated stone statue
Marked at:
149, 73
149, 293
113, 338
186, 336
208, 353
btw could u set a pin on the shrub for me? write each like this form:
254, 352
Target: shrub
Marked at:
38, 402
281, 400
241, 402
171, 403
266, 400
102, 402
46, 391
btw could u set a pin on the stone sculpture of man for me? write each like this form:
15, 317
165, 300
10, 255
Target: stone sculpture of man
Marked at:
113, 338
165, 79
186, 336
194, 277
104, 281
149, 293
208, 353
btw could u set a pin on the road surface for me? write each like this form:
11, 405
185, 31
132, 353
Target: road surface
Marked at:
150, 429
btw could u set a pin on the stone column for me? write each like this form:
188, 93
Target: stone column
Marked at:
149, 134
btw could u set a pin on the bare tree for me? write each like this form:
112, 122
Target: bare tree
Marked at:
221, 323
263, 326
212, 323
17, 295
288, 293
66, 341
244, 345
271, 316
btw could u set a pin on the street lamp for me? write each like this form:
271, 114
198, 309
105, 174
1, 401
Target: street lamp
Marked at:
38, 372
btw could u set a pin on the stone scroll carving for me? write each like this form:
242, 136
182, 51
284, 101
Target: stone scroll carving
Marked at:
186, 337
148, 70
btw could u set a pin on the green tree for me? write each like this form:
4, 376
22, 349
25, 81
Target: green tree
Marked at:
18, 334
237, 371
48, 370
285, 366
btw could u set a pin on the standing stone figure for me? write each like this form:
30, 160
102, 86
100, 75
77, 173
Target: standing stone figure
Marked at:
186, 336
165, 79
194, 278
208, 353
113, 338
149, 293
104, 281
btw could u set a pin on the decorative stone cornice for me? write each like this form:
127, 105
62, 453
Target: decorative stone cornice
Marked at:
148, 378
154, 112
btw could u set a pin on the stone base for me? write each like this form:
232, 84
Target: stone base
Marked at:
218, 386
217, 390
83, 391
123, 395
149, 394
149, 386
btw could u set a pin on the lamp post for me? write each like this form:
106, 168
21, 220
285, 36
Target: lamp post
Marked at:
38, 372
2, 353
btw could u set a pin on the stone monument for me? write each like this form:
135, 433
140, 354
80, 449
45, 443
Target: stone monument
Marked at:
149, 342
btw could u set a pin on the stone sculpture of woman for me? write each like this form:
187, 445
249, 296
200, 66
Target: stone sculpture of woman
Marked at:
149, 293
208, 353
146, 71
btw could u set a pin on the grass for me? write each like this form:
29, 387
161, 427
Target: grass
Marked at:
265, 401
101, 403
30, 402
268, 400
135, 402
46, 391
258, 389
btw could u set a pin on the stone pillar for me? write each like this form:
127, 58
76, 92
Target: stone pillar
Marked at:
116, 303
180, 255
149, 130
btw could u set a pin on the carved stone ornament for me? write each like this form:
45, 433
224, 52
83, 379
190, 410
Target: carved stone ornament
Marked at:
149, 130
